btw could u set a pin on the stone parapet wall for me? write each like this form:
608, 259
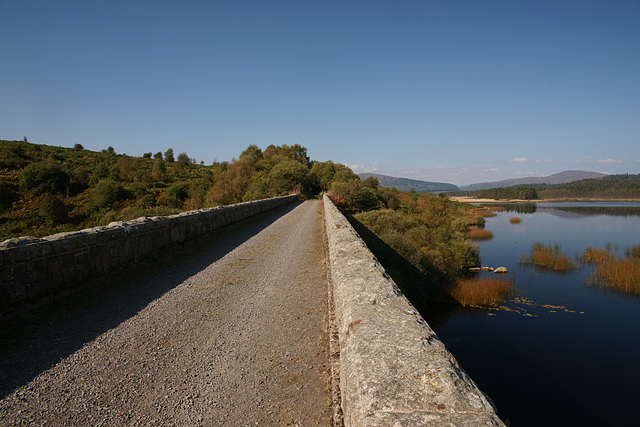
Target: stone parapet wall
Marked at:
393, 368
33, 271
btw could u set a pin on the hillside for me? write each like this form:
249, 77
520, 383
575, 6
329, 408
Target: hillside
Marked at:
558, 178
608, 187
405, 184
47, 189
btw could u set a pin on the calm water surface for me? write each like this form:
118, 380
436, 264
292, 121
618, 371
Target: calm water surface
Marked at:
575, 361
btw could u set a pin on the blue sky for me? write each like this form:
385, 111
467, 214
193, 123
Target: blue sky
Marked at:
450, 91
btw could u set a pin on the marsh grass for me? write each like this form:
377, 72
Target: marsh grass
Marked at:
515, 220
595, 255
633, 251
549, 257
482, 291
618, 274
479, 234
485, 213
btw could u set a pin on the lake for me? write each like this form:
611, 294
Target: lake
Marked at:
560, 352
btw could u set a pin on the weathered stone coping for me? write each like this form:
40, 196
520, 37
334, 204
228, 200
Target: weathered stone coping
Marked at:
34, 271
394, 371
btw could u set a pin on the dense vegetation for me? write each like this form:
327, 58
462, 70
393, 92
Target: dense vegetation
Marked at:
43, 189
419, 238
46, 189
608, 187
517, 192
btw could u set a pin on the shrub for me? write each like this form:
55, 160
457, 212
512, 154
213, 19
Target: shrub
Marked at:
43, 177
352, 197
6, 196
52, 208
108, 192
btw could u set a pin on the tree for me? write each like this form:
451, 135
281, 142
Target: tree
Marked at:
147, 155
108, 192
253, 154
43, 177
168, 155
183, 159
78, 147
158, 155
288, 176
52, 208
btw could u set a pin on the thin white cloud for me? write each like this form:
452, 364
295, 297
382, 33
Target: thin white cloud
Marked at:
365, 169
519, 160
610, 161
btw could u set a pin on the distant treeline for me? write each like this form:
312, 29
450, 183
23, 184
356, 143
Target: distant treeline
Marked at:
609, 187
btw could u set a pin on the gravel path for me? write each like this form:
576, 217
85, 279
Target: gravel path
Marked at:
233, 332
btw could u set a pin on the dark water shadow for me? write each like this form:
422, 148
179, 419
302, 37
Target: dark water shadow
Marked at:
33, 343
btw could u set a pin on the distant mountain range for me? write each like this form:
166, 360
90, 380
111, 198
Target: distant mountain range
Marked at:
405, 184
558, 178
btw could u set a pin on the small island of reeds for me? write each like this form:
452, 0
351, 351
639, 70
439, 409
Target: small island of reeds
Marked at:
481, 290
612, 272
515, 220
475, 233
548, 257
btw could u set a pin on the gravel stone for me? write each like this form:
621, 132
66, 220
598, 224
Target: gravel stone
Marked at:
231, 332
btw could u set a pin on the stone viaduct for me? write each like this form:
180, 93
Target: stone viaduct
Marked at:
391, 368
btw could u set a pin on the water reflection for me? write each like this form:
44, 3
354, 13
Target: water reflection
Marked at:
559, 343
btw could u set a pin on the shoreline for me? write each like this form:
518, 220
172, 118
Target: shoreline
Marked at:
467, 199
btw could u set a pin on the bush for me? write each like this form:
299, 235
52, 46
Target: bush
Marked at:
6, 196
43, 177
52, 209
108, 192
353, 197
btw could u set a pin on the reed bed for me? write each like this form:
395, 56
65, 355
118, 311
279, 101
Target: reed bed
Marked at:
633, 251
595, 255
515, 220
475, 233
618, 274
485, 213
498, 208
482, 291
549, 256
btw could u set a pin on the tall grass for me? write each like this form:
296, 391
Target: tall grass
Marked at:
479, 234
515, 220
486, 213
549, 256
481, 291
619, 274
595, 255
633, 251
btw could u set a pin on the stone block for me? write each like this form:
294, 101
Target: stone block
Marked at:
394, 369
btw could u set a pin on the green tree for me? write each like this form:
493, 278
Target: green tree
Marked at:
43, 177
108, 192
52, 208
168, 155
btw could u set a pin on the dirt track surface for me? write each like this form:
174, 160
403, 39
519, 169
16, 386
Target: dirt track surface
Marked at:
232, 333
